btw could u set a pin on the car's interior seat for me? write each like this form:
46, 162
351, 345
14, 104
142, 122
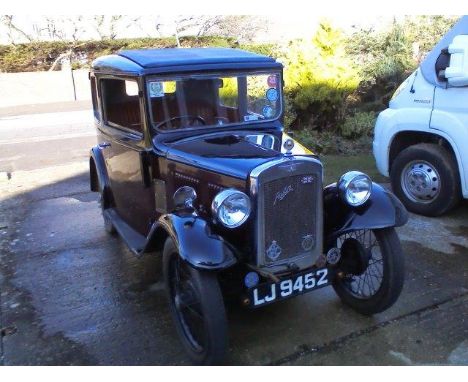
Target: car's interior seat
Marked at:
200, 98
126, 114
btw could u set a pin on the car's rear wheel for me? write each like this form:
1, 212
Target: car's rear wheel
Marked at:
197, 308
425, 178
370, 270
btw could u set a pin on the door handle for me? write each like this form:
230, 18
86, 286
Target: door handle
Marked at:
103, 145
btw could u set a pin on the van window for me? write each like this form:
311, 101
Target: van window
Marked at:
121, 103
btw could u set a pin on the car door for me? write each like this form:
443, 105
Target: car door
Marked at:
123, 145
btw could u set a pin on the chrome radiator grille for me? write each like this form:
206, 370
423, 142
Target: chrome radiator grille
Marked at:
289, 213
290, 222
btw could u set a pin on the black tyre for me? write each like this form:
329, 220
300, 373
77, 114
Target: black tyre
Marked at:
425, 178
108, 226
197, 308
371, 269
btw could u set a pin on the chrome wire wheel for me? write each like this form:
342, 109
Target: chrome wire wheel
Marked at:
420, 181
364, 268
370, 272
197, 307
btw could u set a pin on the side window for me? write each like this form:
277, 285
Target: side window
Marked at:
96, 111
121, 103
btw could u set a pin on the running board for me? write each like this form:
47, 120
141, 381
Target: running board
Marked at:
135, 241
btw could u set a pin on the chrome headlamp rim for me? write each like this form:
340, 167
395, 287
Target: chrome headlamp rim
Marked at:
346, 180
184, 197
221, 197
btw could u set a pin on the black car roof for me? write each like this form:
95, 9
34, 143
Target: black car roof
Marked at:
158, 61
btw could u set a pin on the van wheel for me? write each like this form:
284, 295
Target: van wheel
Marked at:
197, 308
425, 178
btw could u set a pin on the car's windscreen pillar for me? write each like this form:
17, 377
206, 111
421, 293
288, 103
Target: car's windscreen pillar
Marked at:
242, 95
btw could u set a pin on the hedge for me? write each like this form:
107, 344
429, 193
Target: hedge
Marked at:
39, 56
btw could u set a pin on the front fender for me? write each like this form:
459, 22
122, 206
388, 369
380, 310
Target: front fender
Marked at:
100, 175
382, 210
197, 245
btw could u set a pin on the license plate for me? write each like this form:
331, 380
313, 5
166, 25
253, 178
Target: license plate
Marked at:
288, 287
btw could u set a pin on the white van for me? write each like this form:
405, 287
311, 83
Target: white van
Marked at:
421, 140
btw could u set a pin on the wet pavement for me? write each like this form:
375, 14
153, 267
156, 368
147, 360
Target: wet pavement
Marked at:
73, 295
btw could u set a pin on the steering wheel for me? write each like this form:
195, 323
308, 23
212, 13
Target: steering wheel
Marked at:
191, 120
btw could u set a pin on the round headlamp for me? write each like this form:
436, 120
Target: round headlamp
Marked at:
355, 188
231, 208
184, 197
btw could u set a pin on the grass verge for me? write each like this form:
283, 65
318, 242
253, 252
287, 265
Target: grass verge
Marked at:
336, 165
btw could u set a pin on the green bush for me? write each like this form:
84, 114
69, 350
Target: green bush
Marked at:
328, 142
358, 125
271, 50
318, 79
319, 143
386, 57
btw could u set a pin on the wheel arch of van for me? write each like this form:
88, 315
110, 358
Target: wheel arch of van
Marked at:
406, 138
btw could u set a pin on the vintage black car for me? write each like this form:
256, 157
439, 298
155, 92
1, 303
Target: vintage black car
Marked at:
192, 161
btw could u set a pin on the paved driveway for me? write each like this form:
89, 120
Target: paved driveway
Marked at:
71, 294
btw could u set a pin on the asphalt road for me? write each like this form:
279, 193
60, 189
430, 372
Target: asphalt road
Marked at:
72, 295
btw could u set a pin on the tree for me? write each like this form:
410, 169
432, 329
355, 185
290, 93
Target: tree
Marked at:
106, 27
182, 24
387, 56
195, 25
426, 31
245, 28
13, 29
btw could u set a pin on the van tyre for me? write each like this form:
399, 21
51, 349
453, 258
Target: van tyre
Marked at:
425, 178
197, 308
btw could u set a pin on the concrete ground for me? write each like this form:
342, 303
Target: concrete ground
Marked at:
72, 295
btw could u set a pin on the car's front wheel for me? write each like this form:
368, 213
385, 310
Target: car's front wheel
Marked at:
370, 272
425, 178
108, 225
197, 308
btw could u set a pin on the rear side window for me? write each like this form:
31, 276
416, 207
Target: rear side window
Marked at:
121, 103
96, 111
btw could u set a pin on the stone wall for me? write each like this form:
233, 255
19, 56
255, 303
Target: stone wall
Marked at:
43, 87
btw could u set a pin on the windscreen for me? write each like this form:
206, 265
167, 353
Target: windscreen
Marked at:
214, 100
